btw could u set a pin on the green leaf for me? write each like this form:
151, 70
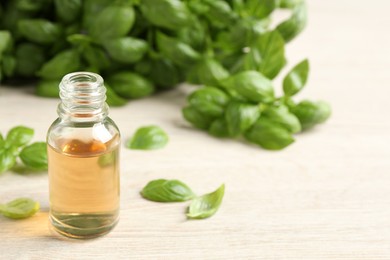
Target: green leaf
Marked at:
220, 14
207, 71
130, 85
2, 141
271, 48
68, 10
112, 22
91, 8
296, 79
311, 113
8, 63
269, 135
251, 85
96, 57
5, 41
31, 6
162, 190
113, 100
148, 138
170, 14
78, 39
281, 114
196, 118
126, 49
240, 116
19, 136
60, 65
48, 88
219, 128
40, 30
34, 156
207, 205
30, 57
260, 8
164, 73
176, 51
209, 101
290, 4
19, 208
240, 35
290, 28
7, 159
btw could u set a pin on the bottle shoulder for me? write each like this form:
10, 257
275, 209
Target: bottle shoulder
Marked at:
63, 131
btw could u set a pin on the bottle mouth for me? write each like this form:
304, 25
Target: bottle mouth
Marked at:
83, 96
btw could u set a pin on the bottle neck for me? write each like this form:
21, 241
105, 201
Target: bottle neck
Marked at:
83, 97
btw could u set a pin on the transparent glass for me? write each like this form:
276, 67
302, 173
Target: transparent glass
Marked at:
83, 156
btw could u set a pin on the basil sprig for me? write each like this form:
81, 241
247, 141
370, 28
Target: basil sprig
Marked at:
33, 156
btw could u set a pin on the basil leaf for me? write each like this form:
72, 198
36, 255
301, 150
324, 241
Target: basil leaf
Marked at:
164, 73
251, 85
162, 190
148, 138
40, 30
29, 58
113, 100
239, 35
220, 14
48, 88
269, 135
207, 205
5, 41
194, 34
209, 101
96, 57
219, 128
296, 79
112, 22
34, 156
281, 114
178, 52
130, 85
19, 136
91, 8
68, 10
290, 28
7, 159
207, 71
170, 14
9, 65
260, 8
311, 113
240, 116
271, 48
290, 3
2, 141
60, 65
31, 5
19, 208
196, 118
126, 49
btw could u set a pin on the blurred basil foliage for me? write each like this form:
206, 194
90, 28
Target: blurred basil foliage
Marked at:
142, 46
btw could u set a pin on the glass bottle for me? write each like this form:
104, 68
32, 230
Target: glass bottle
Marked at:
83, 156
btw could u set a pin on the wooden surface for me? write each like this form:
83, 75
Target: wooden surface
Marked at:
325, 197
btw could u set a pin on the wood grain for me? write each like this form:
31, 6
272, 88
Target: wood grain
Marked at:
325, 197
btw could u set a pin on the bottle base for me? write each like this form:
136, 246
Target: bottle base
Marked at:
83, 226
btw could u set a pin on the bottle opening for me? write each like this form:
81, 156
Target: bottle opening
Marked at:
83, 96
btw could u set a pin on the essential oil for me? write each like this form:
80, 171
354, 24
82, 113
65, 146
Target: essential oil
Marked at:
83, 154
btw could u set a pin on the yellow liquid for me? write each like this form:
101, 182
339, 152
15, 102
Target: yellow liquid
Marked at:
84, 187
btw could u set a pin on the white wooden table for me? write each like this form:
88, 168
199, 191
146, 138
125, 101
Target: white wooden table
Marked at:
325, 197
